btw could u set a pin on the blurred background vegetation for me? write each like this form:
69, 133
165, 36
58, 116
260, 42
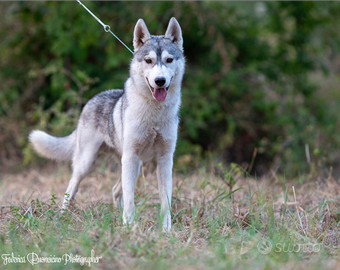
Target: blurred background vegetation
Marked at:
261, 80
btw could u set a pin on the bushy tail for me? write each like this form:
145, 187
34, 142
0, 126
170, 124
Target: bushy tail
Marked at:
58, 148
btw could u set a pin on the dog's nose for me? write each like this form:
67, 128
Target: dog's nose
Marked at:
160, 81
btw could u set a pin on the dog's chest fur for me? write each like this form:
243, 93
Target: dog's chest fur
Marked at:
150, 127
131, 122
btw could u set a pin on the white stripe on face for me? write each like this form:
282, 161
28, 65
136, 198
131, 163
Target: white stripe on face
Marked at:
165, 56
151, 55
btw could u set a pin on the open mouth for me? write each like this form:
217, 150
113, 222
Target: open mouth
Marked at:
159, 93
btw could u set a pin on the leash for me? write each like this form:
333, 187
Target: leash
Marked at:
106, 27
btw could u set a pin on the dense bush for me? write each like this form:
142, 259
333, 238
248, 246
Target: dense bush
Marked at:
249, 79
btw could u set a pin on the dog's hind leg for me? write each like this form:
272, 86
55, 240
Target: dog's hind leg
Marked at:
117, 194
84, 156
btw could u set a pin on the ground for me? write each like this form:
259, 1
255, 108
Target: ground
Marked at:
221, 220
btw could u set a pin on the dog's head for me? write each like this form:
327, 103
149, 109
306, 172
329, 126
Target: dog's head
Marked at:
158, 62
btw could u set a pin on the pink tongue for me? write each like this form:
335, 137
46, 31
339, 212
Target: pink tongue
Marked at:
159, 94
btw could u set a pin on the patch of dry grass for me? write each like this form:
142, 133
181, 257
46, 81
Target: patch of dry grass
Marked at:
212, 228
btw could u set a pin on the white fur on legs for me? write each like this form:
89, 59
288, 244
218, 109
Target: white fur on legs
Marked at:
139, 166
164, 176
130, 169
82, 162
117, 191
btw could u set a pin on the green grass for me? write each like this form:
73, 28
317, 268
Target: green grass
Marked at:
217, 224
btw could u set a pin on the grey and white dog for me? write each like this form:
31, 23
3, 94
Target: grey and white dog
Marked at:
137, 124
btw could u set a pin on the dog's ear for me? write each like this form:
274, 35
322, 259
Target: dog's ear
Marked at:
174, 33
140, 34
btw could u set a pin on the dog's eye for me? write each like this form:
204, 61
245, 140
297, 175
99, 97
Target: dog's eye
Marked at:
148, 61
169, 60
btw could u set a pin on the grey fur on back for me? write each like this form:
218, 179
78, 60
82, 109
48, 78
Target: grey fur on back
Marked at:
100, 108
97, 112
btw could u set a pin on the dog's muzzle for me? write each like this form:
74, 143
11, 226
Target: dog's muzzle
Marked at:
159, 93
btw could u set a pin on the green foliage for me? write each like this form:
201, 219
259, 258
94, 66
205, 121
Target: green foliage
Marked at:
247, 84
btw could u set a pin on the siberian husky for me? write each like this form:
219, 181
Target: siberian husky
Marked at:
137, 124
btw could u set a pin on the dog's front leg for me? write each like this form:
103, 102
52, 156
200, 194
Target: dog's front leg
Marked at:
130, 168
164, 176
